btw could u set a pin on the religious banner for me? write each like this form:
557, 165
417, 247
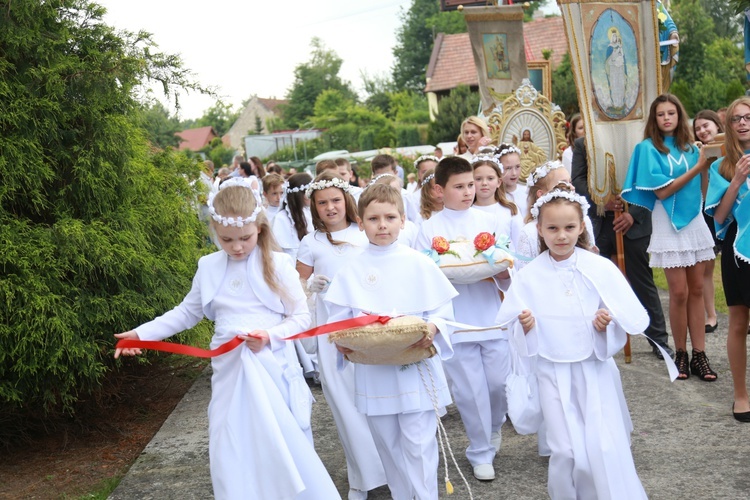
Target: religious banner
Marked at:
615, 56
496, 35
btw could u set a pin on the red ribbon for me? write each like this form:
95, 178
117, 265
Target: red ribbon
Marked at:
236, 341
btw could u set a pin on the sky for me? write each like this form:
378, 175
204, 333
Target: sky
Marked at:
251, 47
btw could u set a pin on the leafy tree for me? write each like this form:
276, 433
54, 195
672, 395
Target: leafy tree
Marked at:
564, 88
97, 234
258, 125
409, 107
220, 116
420, 25
159, 126
320, 73
452, 110
378, 89
726, 22
696, 32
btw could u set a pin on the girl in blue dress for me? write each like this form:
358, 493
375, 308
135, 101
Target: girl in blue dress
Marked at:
664, 176
728, 203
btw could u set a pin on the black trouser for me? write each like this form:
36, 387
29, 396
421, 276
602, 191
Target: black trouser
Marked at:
639, 274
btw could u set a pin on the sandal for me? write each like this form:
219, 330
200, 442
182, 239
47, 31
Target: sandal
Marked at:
682, 361
699, 366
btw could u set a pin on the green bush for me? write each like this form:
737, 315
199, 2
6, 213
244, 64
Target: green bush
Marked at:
97, 230
407, 135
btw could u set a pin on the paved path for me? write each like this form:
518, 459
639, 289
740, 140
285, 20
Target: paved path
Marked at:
685, 443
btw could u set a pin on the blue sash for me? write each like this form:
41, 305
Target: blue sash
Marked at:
650, 170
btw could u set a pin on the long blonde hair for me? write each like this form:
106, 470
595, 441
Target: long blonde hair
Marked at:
732, 143
427, 202
238, 201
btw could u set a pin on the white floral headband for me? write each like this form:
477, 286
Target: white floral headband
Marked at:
559, 193
380, 176
425, 158
297, 189
488, 158
427, 180
325, 184
542, 171
507, 151
233, 221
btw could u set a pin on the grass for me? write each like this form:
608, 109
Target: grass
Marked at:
719, 299
102, 490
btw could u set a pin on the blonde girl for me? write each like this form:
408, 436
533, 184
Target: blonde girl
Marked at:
664, 177
294, 220
430, 201
335, 241
260, 441
510, 158
490, 194
727, 201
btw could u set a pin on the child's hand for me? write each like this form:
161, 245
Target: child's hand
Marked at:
601, 320
256, 340
343, 350
319, 283
130, 351
527, 320
426, 342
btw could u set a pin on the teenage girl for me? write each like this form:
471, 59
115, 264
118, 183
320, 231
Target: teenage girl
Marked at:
510, 158
664, 177
706, 125
490, 195
728, 202
571, 310
335, 241
260, 441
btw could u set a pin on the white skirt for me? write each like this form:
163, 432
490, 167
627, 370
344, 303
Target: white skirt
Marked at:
669, 248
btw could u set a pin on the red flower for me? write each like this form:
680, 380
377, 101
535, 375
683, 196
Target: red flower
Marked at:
440, 245
483, 241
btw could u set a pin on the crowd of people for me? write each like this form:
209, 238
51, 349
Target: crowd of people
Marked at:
299, 250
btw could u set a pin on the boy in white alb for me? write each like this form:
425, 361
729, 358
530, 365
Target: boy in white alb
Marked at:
481, 363
273, 191
399, 401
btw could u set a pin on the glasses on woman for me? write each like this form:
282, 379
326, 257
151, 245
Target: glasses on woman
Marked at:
738, 118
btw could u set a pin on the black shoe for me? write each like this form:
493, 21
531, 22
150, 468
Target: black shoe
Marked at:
712, 328
741, 417
658, 353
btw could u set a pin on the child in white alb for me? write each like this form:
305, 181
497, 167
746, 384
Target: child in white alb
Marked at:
490, 195
273, 192
400, 402
481, 362
260, 441
335, 241
510, 158
573, 328
293, 221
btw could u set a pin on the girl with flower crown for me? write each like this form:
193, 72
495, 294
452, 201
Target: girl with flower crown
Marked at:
664, 176
260, 440
540, 182
571, 331
294, 220
430, 201
490, 194
510, 158
413, 201
335, 241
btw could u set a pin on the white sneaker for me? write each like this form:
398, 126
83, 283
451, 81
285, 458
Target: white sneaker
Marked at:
484, 472
357, 494
496, 439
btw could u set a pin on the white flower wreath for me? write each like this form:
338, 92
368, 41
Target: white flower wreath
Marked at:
558, 193
325, 184
507, 151
298, 189
542, 171
495, 160
380, 176
427, 180
233, 221
425, 158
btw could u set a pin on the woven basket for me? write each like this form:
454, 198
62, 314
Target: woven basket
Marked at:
385, 344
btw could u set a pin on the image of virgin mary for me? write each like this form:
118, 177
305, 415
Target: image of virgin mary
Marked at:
616, 69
